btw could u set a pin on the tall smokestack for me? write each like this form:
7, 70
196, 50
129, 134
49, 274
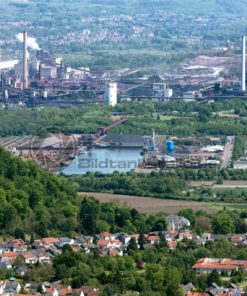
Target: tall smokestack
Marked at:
244, 64
25, 70
40, 72
2, 84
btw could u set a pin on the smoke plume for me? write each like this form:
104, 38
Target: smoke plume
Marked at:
31, 42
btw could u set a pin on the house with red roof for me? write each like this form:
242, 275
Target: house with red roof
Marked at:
115, 252
29, 258
8, 256
237, 239
49, 241
207, 265
107, 236
185, 235
153, 239
102, 243
86, 291
116, 243
14, 245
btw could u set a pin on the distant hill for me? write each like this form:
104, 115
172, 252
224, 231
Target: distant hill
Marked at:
171, 30
237, 7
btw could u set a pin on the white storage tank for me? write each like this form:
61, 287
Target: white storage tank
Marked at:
111, 94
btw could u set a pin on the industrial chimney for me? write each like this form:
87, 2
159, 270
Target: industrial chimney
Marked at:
25, 69
40, 72
244, 64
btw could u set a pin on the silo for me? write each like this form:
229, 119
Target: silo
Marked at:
170, 147
111, 94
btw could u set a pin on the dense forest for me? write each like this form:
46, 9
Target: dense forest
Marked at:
169, 184
163, 185
34, 201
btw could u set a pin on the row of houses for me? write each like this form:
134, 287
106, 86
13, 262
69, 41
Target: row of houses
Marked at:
215, 290
44, 250
12, 287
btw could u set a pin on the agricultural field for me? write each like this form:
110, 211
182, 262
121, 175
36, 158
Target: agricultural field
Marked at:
150, 205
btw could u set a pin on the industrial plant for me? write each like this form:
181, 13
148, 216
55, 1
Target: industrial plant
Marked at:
163, 153
44, 79
155, 152
38, 78
41, 79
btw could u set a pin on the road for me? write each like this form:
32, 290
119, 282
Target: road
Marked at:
227, 155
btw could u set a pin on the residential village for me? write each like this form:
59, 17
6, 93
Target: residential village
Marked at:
107, 244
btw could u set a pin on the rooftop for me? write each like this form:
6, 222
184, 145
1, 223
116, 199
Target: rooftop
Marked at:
217, 263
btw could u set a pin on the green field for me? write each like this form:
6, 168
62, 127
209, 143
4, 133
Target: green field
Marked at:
230, 207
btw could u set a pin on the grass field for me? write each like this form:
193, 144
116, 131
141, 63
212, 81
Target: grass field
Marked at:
151, 205
226, 184
155, 205
231, 207
167, 117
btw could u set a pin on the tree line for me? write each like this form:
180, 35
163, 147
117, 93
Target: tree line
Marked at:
168, 184
187, 119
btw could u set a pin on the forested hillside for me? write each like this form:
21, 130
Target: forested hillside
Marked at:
32, 200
